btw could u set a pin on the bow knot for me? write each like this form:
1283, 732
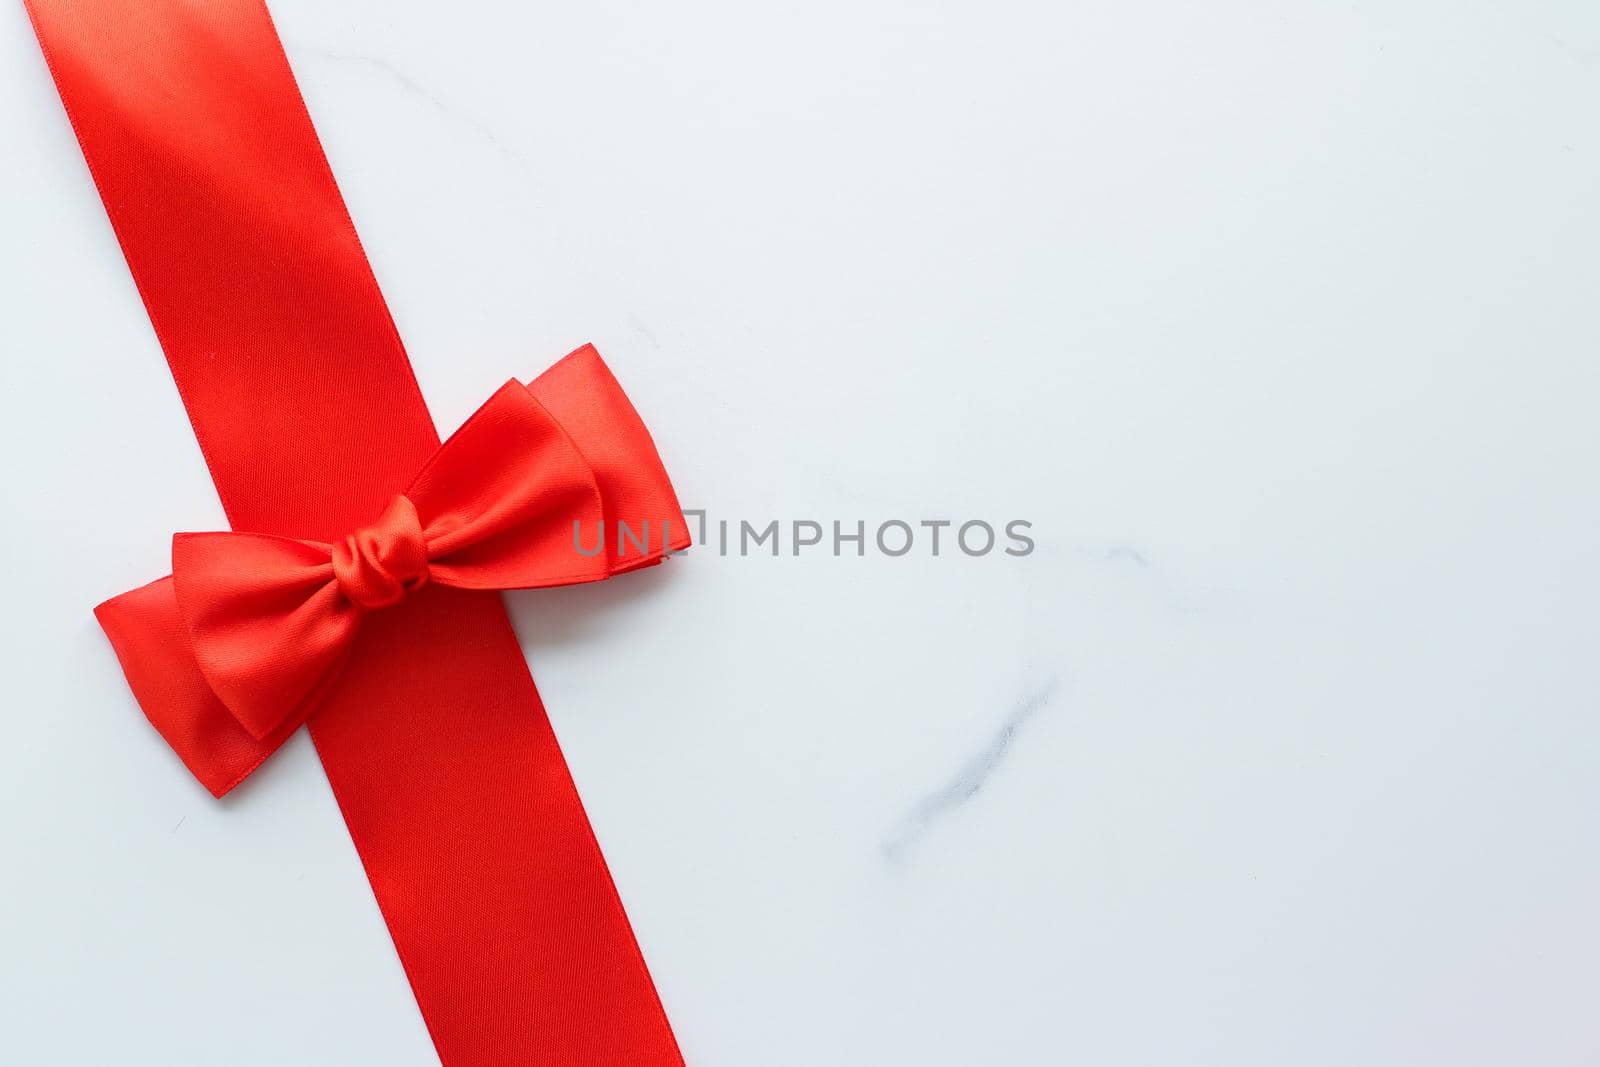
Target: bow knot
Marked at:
379, 564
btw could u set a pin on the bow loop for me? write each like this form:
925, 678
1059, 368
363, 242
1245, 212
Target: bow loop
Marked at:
266, 620
499, 499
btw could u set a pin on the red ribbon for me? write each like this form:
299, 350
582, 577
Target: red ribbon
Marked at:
427, 723
239, 647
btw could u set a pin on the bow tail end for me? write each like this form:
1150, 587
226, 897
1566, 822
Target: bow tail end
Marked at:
152, 644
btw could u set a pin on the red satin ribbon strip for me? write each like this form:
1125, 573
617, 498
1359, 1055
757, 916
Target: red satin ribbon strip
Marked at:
438, 750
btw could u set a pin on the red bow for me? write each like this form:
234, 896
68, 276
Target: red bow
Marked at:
230, 654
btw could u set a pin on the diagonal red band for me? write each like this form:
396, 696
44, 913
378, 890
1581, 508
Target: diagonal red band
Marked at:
455, 792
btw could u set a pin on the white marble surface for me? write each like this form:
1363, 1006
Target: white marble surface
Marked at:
1278, 321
